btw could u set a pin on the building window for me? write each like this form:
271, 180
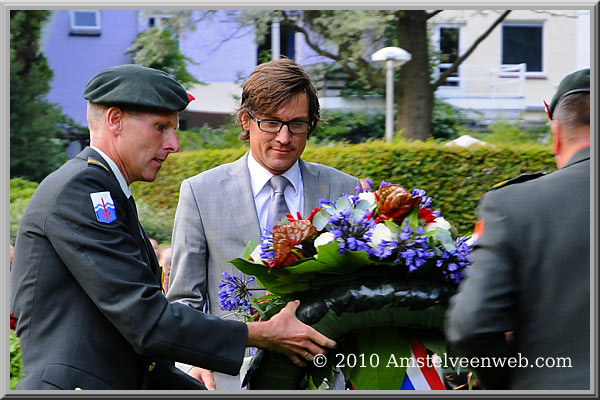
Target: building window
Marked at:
522, 44
448, 53
84, 22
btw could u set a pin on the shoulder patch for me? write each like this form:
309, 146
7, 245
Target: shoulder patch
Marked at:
519, 179
96, 162
104, 207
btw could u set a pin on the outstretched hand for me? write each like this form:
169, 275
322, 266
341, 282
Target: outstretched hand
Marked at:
286, 334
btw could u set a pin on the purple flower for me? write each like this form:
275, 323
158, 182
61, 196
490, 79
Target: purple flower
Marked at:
455, 263
351, 232
408, 247
425, 200
266, 244
233, 293
384, 184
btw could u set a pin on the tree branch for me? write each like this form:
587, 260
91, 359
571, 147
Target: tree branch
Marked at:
309, 42
454, 67
433, 13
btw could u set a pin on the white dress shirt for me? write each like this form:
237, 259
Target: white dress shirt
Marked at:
294, 193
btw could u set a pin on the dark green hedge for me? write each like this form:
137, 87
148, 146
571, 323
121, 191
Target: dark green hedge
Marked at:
455, 177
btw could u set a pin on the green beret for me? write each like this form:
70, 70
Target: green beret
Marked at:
137, 86
575, 82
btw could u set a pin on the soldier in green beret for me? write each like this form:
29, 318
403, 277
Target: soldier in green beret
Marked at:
86, 284
527, 295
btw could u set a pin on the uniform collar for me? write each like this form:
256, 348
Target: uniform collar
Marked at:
581, 155
115, 170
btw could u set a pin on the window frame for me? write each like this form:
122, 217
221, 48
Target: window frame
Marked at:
437, 45
524, 24
85, 30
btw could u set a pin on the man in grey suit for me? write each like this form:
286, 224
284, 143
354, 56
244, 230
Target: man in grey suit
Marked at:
531, 264
86, 285
220, 210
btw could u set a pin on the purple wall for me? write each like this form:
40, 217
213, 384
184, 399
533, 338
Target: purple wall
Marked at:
220, 48
223, 52
75, 59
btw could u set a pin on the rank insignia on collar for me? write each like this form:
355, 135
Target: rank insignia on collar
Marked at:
104, 207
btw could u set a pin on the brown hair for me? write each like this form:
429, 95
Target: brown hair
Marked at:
573, 111
272, 85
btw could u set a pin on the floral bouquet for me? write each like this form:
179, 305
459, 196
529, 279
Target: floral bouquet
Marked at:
368, 268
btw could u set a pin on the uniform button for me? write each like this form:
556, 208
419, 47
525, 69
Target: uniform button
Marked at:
151, 367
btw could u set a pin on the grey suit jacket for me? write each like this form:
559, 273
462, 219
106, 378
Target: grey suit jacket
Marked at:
531, 275
216, 218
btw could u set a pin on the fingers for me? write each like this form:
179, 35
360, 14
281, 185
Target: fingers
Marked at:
204, 376
313, 334
321, 340
292, 306
208, 379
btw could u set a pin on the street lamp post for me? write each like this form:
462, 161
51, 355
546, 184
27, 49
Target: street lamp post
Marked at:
393, 57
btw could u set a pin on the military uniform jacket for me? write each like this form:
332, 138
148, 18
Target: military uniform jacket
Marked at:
530, 274
87, 294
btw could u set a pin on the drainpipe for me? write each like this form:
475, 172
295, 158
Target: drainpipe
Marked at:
275, 40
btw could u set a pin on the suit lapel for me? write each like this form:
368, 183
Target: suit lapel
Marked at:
237, 193
314, 187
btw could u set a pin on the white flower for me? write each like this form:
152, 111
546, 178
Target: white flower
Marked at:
439, 222
324, 238
369, 197
380, 233
255, 255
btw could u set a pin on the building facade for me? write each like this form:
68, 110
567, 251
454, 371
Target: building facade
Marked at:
509, 75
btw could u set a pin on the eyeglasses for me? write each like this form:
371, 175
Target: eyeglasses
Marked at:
273, 126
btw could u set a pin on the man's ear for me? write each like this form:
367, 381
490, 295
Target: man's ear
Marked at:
114, 120
245, 119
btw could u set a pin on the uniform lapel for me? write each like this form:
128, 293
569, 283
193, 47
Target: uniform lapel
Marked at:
142, 239
315, 188
237, 192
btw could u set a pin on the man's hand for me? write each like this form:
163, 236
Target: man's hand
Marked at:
286, 334
204, 376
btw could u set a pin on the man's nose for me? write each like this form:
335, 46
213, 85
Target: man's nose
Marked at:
284, 136
172, 142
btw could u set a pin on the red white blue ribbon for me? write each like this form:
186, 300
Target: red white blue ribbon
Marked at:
419, 375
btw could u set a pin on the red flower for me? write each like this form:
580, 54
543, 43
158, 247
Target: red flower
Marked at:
291, 218
426, 215
313, 213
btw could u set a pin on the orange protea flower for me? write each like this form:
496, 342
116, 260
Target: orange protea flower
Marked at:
395, 202
285, 238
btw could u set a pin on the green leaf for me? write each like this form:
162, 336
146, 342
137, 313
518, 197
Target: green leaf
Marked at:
444, 237
381, 359
392, 226
413, 218
337, 263
320, 220
342, 203
362, 205
249, 249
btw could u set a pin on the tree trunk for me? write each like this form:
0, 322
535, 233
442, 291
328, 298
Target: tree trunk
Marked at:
412, 90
